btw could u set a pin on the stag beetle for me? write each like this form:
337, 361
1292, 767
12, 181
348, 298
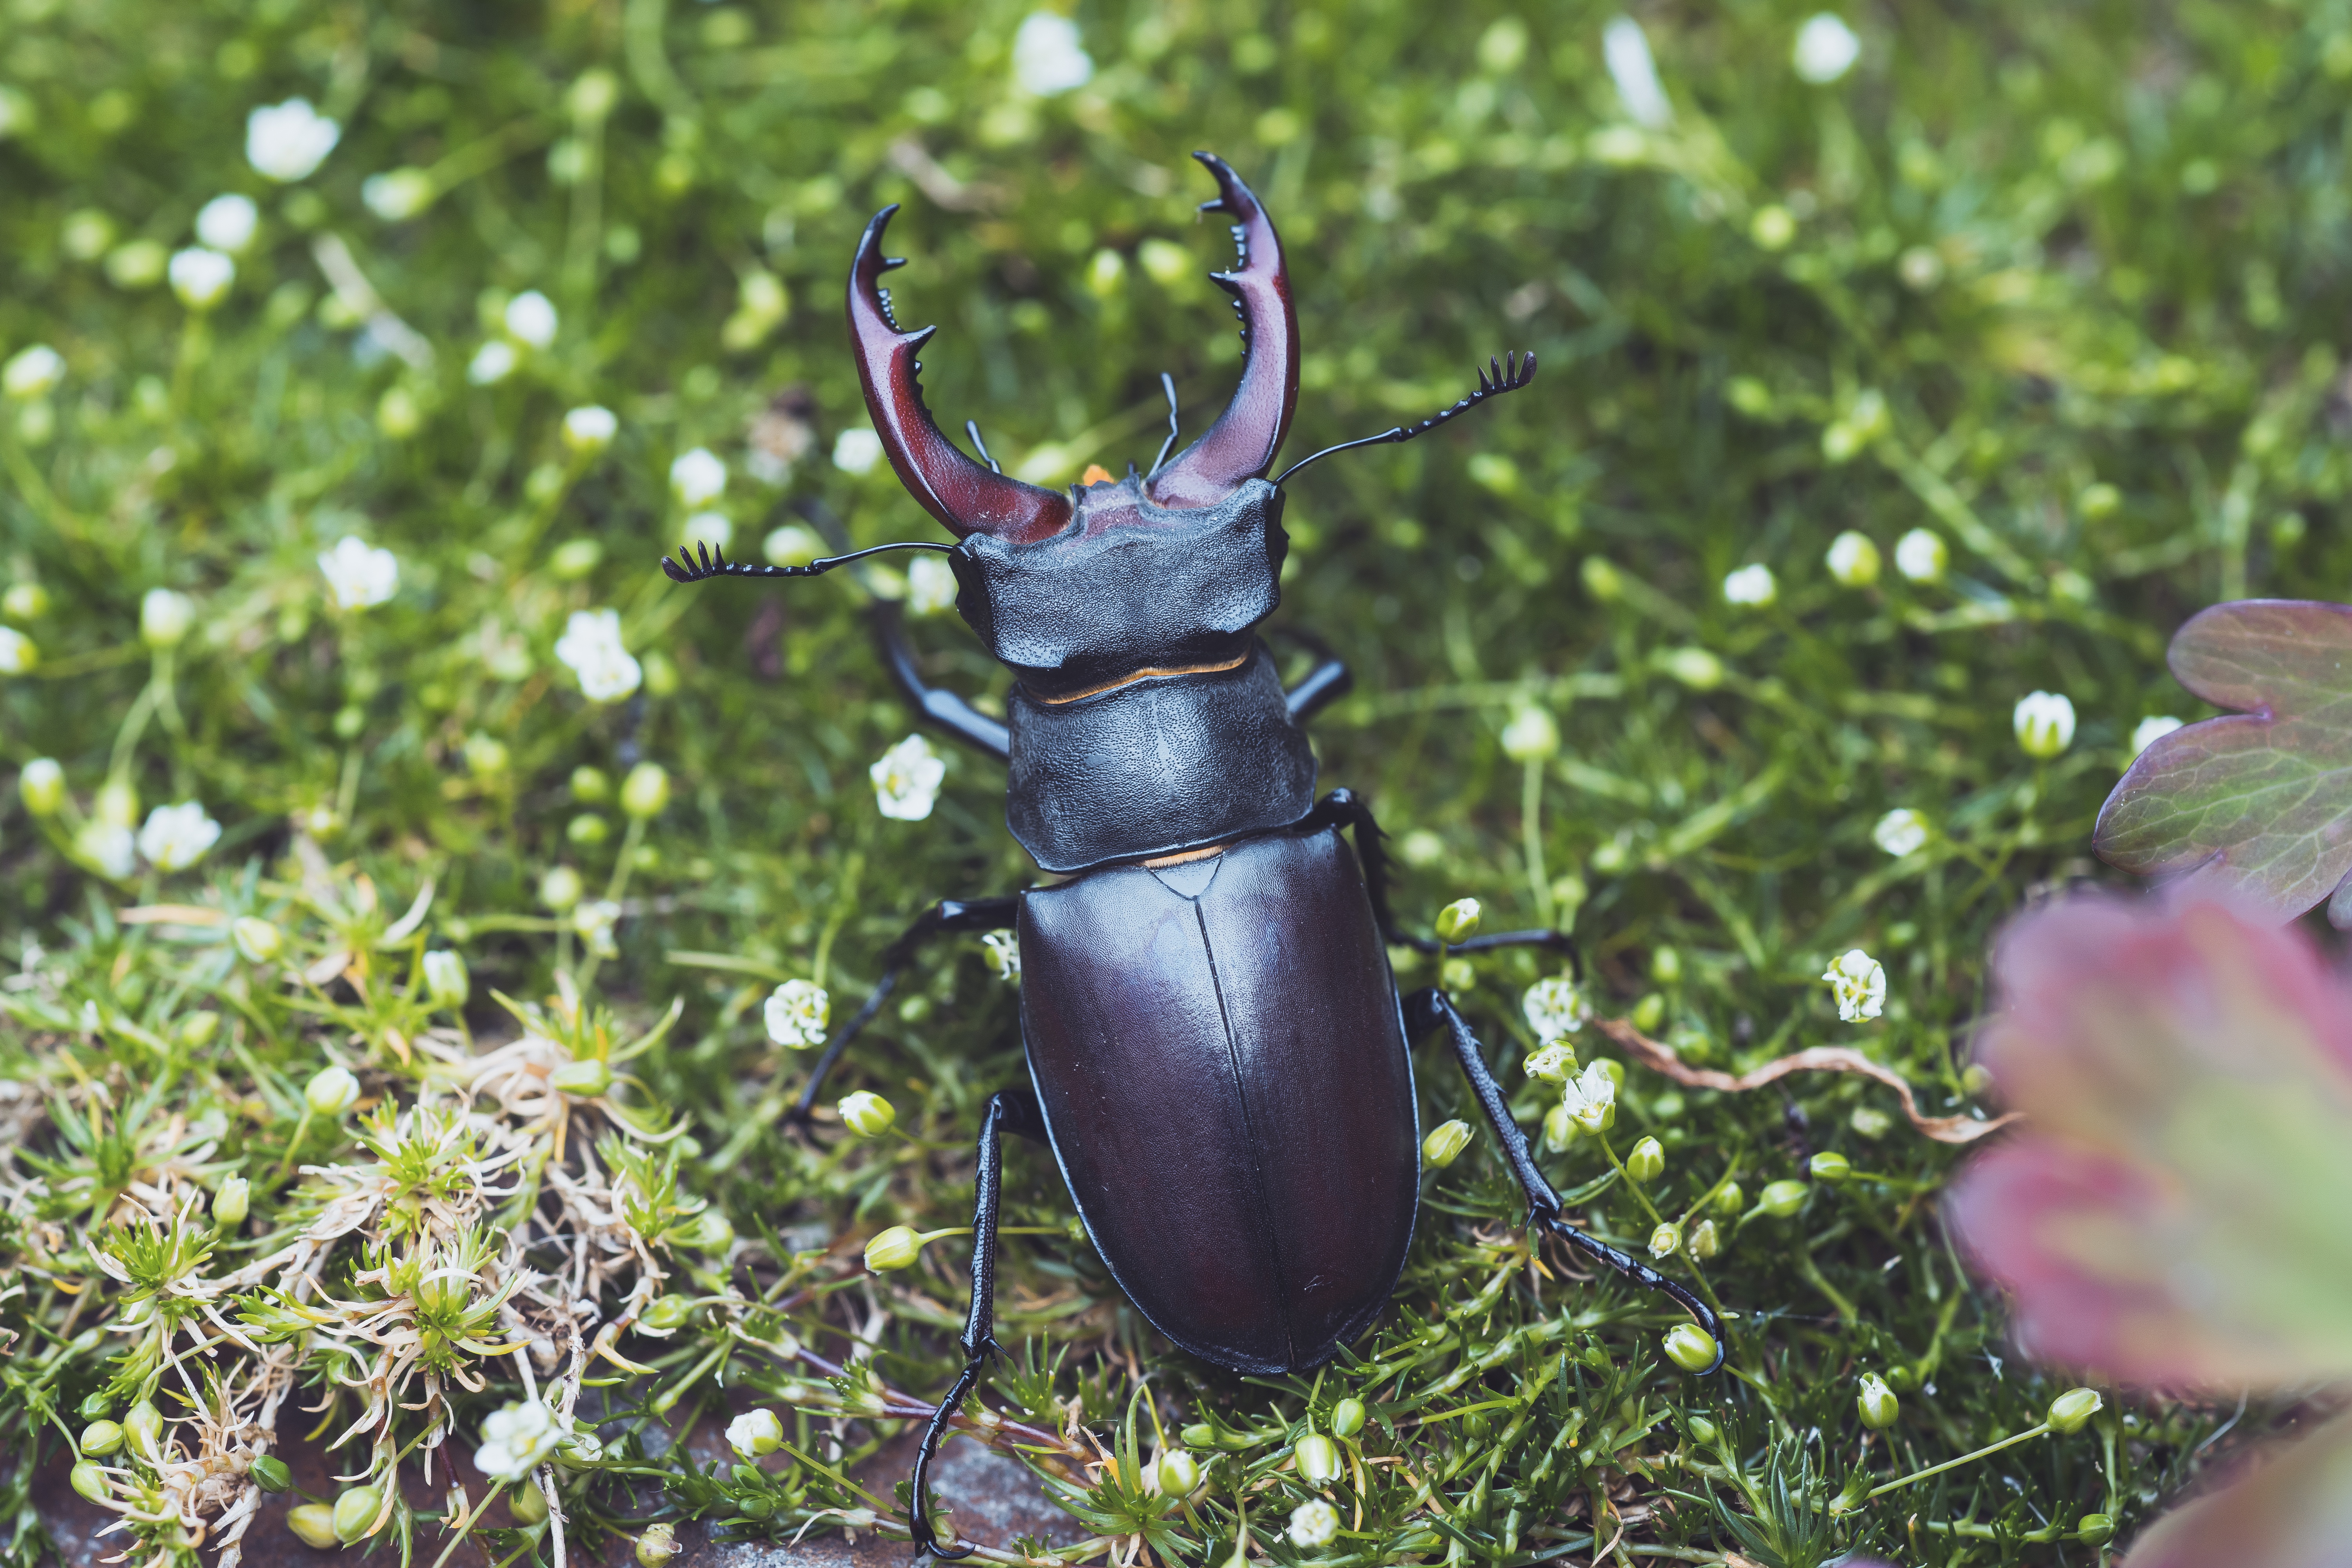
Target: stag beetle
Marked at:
1209, 963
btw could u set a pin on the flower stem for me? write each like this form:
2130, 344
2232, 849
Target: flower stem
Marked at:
1532, 829
1964, 1458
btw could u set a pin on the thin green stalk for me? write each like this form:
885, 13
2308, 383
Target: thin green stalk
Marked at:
1963, 1460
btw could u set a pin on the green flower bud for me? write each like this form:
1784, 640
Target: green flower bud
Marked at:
485, 756
1665, 966
95, 1404
713, 1232
232, 1203
354, 1512
446, 980
1560, 1128
1445, 1143
1877, 1403
117, 805
1200, 1434
657, 1546
561, 887
100, 1438
1530, 736
331, 1091
528, 1504
587, 1079
867, 1114
256, 939
755, 1433
1178, 1473
591, 786
1347, 1418
164, 617
1318, 1459
1690, 1347
1730, 1200
197, 1030
2072, 1409
313, 1523
25, 602
89, 1478
42, 786
1665, 1241
1706, 1241
1976, 1080
1703, 1430
1829, 1166
143, 1425
270, 1474
587, 829
1647, 1161
646, 791
1782, 1199
895, 1247
1457, 920
666, 1313
2094, 1529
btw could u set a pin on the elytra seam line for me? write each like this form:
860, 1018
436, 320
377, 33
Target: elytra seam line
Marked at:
1250, 1131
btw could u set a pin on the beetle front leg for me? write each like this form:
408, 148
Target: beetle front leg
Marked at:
1012, 1110
942, 707
1431, 1008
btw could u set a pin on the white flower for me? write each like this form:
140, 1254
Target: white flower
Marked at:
227, 223
697, 478
1531, 735
1900, 832
931, 586
1590, 1097
1853, 559
32, 372
712, 528
177, 837
286, 141
397, 194
593, 921
1554, 1063
856, 451
1859, 982
754, 1433
1314, 1523
491, 364
791, 545
531, 319
907, 779
107, 846
2044, 722
796, 1014
1751, 586
1826, 49
1920, 555
359, 574
1003, 954
591, 647
590, 428
1626, 49
164, 617
1046, 57
18, 652
2149, 732
1554, 1008
518, 1440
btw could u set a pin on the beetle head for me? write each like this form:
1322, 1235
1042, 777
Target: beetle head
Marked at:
970, 498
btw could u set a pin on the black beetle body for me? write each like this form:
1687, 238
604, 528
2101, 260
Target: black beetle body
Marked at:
1217, 1049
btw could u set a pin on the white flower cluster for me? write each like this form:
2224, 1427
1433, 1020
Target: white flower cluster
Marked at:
1003, 954
591, 648
856, 451
797, 1014
907, 779
1554, 1007
931, 586
177, 837
201, 277
1625, 49
1752, 586
1859, 982
2149, 732
285, 140
2044, 722
518, 1440
1047, 55
359, 574
1826, 49
1900, 832
697, 478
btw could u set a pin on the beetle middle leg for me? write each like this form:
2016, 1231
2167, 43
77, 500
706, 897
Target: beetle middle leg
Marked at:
1431, 1008
1010, 1110
947, 916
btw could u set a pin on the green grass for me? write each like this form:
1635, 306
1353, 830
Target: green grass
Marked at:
2057, 283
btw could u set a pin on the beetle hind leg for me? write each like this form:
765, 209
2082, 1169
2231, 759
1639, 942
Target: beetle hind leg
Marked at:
1011, 1110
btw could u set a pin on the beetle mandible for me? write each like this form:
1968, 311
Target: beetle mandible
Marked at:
1212, 962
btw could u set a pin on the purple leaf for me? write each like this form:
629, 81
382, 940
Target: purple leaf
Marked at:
2257, 804
2289, 1507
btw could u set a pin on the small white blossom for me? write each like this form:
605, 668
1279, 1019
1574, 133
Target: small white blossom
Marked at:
1314, 1523
931, 586
491, 364
590, 428
1554, 1063
754, 1433
697, 478
286, 141
177, 837
2149, 732
359, 574
518, 1440
1920, 555
797, 1014
2044, 722
227, 223
1555, 1009
1047, 55
907, 779
18, 653
1826, 49
531, 319
591, 647
397, 194
1859, 982
1900, 832
594, 922
1853, 559
1626, 51
1590, 1097
1750, 585
791, 545
856, 451
1003, 954
164, 617
107, 846
32, 372
1531, 735
715, 529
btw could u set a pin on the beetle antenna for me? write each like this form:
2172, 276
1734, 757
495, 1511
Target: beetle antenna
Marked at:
1512, 372
1168, 386
701, 563
971, 429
